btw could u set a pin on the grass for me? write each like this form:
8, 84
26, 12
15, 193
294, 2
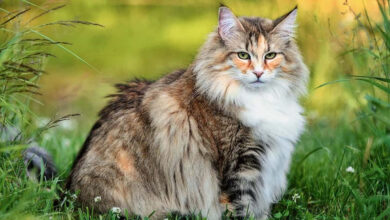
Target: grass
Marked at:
340, 170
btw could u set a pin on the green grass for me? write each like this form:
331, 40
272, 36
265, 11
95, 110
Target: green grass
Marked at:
321, 183
318, 176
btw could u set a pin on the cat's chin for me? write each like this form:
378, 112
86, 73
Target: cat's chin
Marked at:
255, 84
273, 87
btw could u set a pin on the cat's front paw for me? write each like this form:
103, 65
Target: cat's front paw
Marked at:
225, 203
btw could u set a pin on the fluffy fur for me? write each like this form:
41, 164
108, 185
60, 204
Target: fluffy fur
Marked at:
217, 135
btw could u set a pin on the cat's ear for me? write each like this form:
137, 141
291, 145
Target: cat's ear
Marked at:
286, 24
228, 24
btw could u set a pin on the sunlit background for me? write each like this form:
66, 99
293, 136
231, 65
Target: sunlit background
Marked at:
150, 38
341, 166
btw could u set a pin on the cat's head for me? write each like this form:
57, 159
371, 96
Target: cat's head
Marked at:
254, 54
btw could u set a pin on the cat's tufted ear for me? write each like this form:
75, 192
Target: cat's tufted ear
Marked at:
228, 26
285, 25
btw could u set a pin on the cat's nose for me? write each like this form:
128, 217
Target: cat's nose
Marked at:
258, 73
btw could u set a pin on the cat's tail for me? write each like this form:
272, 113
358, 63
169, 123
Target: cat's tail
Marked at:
38, 161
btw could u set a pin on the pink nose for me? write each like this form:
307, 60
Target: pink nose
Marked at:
258, 73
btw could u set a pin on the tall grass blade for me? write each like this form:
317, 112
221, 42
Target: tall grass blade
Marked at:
66, 49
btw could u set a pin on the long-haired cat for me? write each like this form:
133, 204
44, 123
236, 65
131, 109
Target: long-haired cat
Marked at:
218, 135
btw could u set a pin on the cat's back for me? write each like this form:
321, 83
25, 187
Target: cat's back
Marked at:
121, 115
130, 96
124, 123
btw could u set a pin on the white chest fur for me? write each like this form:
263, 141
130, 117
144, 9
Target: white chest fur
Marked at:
271, 117
276, 121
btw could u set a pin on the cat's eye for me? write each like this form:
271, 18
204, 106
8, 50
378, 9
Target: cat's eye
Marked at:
270, 55
243, 55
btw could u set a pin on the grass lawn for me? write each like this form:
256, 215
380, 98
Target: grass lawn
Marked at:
340, 169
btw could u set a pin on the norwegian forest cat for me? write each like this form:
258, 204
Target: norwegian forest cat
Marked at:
218, 135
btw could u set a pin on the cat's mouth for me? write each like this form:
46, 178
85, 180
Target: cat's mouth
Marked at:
258, 81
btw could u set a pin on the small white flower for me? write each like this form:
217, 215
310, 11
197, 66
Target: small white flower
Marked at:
98, 199
295, 197
73, 196
350, 169
116, 210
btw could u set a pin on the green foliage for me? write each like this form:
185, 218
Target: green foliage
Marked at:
21, 62
321, 178
23, 52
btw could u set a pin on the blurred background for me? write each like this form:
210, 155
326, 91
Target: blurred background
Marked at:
150, 38
341, 166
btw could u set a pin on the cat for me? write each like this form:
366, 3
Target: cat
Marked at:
218, 135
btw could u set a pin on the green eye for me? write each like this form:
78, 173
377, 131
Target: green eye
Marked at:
243, 55
270, 55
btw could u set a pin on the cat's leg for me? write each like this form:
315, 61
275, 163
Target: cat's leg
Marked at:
195, 189
244, 200
103, 193
105, 184
215, 212
241, 186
